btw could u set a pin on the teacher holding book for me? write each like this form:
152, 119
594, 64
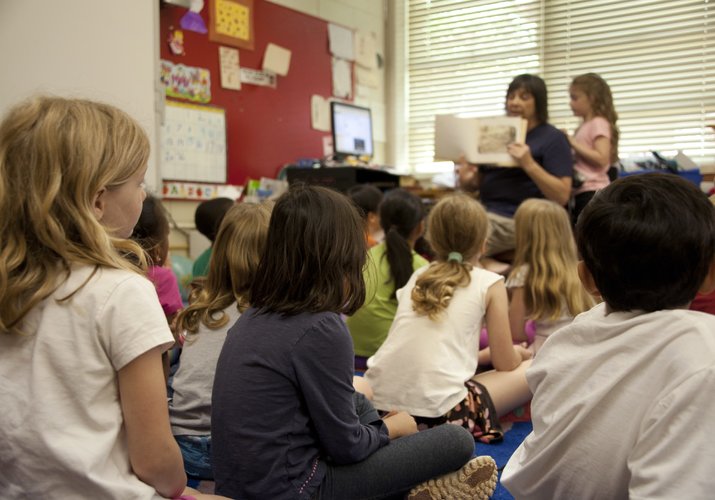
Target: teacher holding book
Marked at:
545, 166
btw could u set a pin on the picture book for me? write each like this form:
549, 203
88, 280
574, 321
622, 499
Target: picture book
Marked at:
481, 141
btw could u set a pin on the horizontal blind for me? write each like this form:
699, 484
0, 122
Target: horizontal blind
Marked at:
461, 57
658, 56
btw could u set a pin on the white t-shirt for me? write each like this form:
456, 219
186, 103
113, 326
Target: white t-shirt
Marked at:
422, 366
621, 409
543, 327
61, 424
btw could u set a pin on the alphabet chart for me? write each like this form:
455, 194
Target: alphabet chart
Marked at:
193, 143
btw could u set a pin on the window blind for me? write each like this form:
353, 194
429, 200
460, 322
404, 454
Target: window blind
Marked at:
461, 57
657, 56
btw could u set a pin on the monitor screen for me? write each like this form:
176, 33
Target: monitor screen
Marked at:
352, 130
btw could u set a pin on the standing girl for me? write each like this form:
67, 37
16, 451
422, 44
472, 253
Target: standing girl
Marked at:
595, 142
390, 265
215, 305
284, 422
544, 285
81, 330
427, 364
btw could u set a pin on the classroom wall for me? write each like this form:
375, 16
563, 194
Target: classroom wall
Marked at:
268, 128
100, 49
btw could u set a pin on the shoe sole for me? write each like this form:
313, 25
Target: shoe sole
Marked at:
476, 480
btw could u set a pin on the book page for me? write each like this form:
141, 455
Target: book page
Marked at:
455, 137
481, 141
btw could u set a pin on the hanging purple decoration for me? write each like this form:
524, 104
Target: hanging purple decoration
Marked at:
192, 20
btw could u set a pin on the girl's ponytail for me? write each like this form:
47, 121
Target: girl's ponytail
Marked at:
457, 228
400, 214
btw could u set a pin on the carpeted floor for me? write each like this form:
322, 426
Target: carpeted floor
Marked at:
502, 451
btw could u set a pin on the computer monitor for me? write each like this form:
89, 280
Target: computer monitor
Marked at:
352, 130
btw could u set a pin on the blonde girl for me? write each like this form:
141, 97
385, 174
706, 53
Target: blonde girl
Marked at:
544, 284
81, 330
214, 306
426, 365
595, 142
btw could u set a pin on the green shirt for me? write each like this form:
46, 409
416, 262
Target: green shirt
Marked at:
370, 324
201, 264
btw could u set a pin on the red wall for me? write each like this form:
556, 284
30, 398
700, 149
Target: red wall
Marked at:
265, 128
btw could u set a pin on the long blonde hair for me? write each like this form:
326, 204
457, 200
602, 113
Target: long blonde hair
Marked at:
459, 224
545, 243
236, 252
599, 95
55, 156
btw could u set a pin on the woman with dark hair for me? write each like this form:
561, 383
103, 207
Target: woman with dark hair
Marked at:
545, 165
285, 423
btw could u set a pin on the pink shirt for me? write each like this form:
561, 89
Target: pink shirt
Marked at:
167, 288
595, 177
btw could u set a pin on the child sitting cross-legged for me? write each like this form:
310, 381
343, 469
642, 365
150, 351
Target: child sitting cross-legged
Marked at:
427, 364
285, 423
623, 394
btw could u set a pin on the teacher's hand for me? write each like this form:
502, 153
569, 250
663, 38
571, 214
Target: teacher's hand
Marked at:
467, 174
521, 152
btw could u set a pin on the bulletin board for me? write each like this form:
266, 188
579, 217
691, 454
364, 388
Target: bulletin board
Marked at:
193, 143
266, 128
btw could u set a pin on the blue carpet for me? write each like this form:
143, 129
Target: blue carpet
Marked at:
502, 451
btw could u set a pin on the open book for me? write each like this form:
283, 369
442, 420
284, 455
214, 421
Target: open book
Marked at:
480, 140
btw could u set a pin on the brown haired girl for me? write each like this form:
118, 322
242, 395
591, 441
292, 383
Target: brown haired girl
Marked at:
284, 424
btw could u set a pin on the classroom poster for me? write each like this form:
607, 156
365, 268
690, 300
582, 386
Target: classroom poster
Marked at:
186, 82
230, 69
193, 143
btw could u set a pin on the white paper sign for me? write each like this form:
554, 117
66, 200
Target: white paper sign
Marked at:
256, 77
341, 42
276, 59
366, 49
342, 79
320, 113
230, 71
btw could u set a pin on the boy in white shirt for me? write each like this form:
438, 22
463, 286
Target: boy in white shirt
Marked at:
622, 396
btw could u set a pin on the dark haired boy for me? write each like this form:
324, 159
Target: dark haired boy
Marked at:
623, 395
208, 217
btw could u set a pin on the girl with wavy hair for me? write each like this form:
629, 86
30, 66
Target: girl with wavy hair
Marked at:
428, 363
543, 285
215, 303
81, 329
595, 141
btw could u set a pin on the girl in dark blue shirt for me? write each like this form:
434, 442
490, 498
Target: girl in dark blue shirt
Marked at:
285, 422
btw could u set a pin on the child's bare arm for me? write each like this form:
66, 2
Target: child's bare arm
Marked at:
504, 356
400, 424
599, 155
517, 314
154, 455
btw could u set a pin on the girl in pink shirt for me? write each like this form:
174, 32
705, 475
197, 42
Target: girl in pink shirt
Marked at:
595, 141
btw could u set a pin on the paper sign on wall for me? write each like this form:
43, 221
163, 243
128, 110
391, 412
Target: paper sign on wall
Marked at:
186, 82
342, 44
366, 49
256, 77
276, 59
230, 70
342, 79
320, 113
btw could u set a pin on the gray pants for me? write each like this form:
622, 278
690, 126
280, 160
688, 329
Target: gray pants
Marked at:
394, 469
